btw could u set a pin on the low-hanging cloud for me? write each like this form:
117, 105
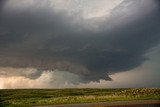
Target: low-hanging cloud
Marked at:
25, 78
39, 36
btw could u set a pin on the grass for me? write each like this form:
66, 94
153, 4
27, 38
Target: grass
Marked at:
31, 97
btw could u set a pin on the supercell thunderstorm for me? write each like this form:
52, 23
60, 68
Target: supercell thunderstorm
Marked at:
50, 43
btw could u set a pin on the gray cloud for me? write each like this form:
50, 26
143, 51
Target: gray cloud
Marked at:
2, 2
43, 38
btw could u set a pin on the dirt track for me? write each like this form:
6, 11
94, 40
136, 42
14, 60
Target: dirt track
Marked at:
138, 105
143, 103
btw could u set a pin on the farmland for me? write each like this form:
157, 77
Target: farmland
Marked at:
31, 97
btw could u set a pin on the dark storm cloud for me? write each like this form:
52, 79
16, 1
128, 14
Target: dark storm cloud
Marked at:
42, 38
1, 4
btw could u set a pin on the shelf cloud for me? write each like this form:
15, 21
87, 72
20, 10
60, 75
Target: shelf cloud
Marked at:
38, 34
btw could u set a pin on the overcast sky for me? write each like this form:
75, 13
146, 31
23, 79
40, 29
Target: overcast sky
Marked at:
79, 43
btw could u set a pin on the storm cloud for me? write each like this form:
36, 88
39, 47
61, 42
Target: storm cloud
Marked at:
34, 34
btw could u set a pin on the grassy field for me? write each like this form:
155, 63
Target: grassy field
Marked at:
30, 97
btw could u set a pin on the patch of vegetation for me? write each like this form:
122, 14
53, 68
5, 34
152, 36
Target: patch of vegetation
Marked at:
30, 97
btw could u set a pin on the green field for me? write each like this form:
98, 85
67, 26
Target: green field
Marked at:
30, 97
